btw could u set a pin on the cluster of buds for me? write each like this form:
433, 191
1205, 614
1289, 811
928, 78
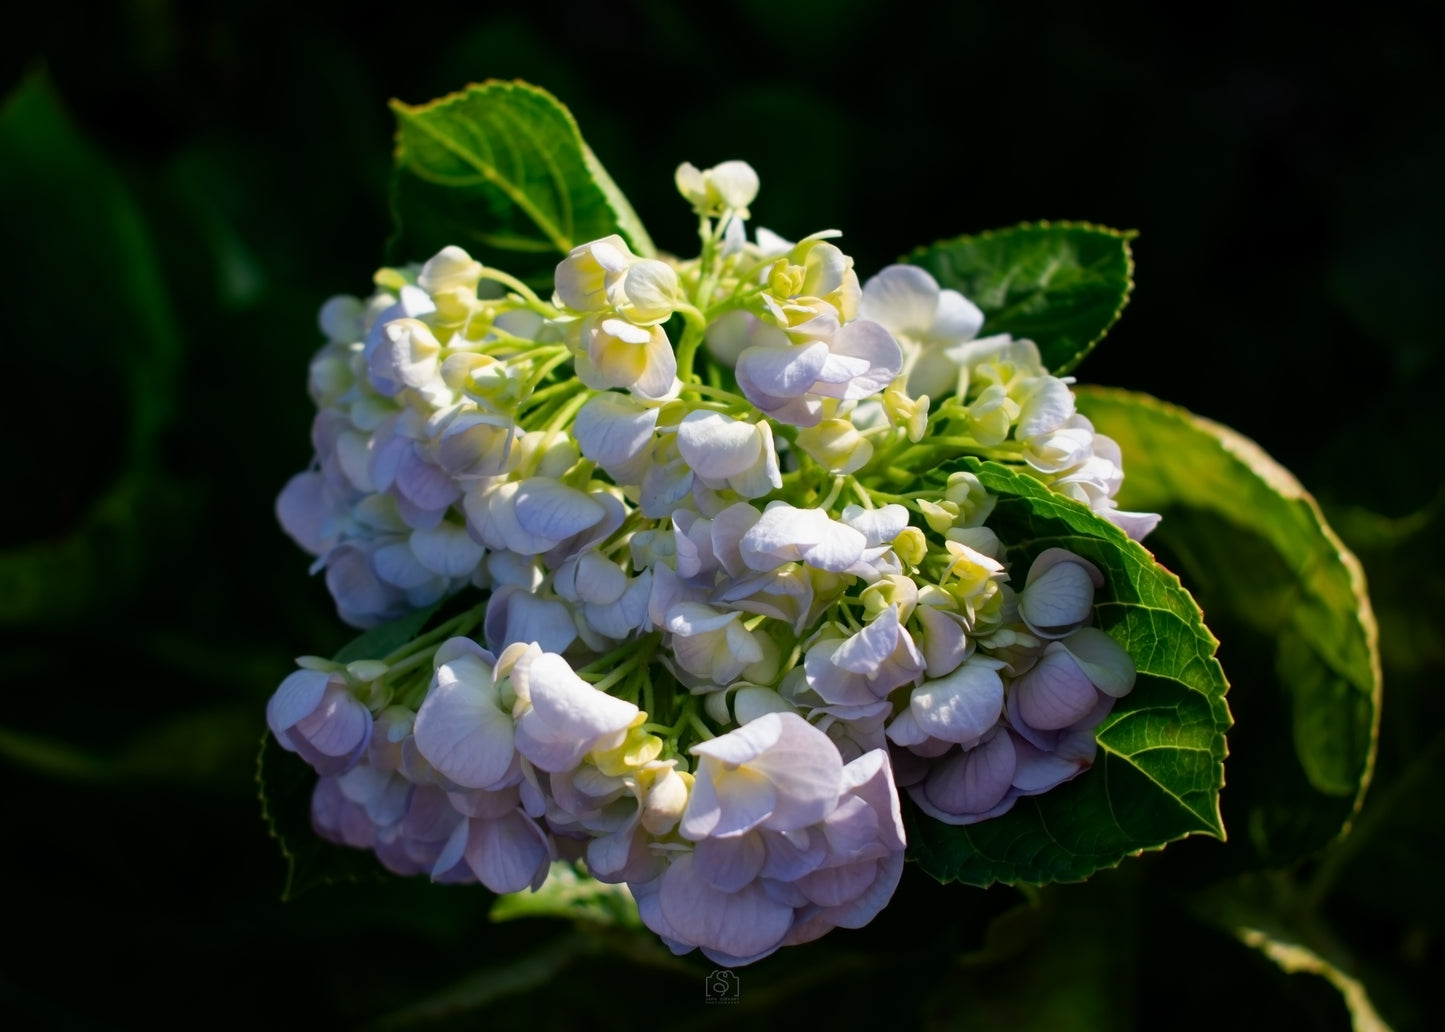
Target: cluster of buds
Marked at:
725, 617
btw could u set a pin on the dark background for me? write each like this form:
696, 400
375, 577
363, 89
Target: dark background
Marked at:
1283, 168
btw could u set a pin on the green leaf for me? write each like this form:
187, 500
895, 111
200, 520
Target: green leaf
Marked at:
573, 895
1287, 598
501, 170
384, 639
76, 546
1059, 284
285, 783
1043, 969
1266, 915
1161, 751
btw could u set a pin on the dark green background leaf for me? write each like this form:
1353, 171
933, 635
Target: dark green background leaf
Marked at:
1161, 751
71, 225
380, 641
1284, 595
1060, 284
501, 170
285, 783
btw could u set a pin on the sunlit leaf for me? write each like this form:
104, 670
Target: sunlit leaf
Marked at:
501, 170
570, 894
1060, 284
1265, 914
1286, 597
1161, 751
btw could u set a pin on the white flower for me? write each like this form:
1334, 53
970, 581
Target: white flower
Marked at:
617, 353
585, 278
560, 717
728, 453
464, 727
789, 380
725, 188
925, 320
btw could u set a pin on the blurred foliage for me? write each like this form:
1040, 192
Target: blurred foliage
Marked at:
186, 183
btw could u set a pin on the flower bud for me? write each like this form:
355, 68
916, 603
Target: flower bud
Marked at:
647, 293
728, 187
837, 445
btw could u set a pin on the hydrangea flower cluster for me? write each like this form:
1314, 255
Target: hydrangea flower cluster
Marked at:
724, 615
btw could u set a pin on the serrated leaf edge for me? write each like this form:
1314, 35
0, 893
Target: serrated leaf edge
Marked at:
1253, 457
1123, 235
627, 221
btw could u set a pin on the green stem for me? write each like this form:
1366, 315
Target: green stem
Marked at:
517, 286
698, 726
544, 368
692, 337
460, 624
563, 416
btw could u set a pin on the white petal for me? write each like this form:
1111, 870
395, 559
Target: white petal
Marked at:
902, 298
960, 707
717, 446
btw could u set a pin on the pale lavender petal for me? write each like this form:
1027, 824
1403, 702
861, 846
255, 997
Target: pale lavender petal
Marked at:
447, 550
485, 805
362, 600
740, 923
304, 508
553, 510
1054, 693
568, 717
339, 726
944, 644
726, 802
516, 616
974, 781
454, 848
792, 854
1038, 771
463, 734
430, 816
805, 766
1058, 600
835, 886
397, 565
728, 864
611, 429
878, 526
717, 446
296, 698
509, 854
868, 341
781, 372
961, 706
870, 778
